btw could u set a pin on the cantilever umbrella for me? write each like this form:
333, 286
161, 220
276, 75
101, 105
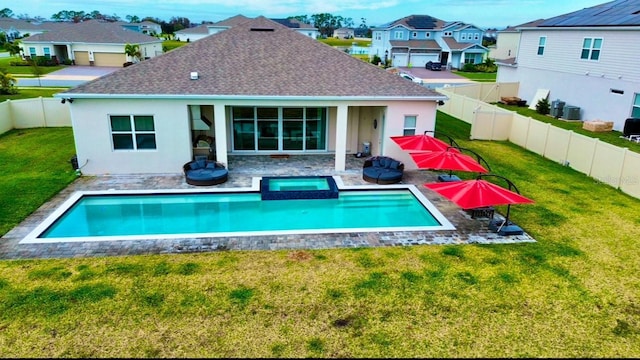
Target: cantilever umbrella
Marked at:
422, 142
450, 159
478, 193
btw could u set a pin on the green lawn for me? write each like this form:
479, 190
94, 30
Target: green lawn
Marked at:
25, 71
345, 42
477, 76
573, 293
31, 92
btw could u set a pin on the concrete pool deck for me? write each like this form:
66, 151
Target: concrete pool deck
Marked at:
242, 170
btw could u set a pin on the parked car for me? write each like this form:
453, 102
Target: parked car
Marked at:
411, 77
433, 66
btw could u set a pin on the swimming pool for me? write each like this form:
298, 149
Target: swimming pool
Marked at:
170, 214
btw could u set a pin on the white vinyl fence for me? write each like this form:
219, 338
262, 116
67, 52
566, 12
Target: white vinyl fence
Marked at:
29, 113
609, 164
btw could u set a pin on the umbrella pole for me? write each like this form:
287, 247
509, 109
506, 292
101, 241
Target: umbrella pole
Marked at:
506, 218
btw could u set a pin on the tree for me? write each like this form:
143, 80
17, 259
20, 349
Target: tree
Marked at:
302, 18
133, 51
36, 70
7, 83
6, 13
70, 16
132, 18
13, 48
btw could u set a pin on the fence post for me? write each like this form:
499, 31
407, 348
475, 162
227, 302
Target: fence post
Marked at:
44, 113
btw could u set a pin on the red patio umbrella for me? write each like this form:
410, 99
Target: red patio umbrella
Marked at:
422, 142
471, 194
450, 159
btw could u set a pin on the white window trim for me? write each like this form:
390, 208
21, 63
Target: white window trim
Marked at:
543, 46
404, 124
398, 35
591, 49
133, 133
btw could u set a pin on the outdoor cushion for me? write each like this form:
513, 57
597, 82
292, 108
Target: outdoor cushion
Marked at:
394, 164
203, 172
382, 170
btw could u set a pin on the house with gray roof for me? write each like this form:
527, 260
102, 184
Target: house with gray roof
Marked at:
92, 42
584, 60
16, 28
417, 39
257, 88
204, 30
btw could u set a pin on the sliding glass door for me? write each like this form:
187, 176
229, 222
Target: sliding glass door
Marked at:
276, 129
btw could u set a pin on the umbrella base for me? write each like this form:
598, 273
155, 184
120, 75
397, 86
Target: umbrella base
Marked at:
506, 229
447, 178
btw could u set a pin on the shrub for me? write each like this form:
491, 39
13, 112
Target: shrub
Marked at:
469, 68
543, 107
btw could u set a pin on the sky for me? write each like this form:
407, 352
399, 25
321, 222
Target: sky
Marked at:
481, 13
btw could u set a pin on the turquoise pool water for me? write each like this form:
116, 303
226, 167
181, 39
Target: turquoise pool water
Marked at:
153, 215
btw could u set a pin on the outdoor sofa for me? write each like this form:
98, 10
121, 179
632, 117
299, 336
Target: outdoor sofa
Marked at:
203, 172
382, 170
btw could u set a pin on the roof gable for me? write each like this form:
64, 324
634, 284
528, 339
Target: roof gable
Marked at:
93, 31
258, 58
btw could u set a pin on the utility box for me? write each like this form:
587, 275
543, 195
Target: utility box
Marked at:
571, 112
557, 107
366, 148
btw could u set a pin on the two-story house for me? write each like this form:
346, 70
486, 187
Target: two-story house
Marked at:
586, 59
417, 39
145, 27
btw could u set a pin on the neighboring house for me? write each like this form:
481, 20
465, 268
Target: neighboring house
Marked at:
15, 28
204, 30
586, 59
257, 88
344, 33
90, 43
507, 41
145, 27
417, 39
299, 26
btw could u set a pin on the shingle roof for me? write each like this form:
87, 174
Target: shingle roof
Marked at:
614, 13
416, 44
233, 21
416, 22
93, 31
453, 44
200, 29
258, 58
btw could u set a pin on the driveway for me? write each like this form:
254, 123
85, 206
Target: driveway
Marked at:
69, 76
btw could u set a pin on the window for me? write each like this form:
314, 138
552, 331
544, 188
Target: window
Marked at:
591, 48
476, 36
398, 35
635, 110
448, 33
463, 36
47, 53
32, 52
409, 125
378, 35
133, 132
427, 35
541, 43
279, 128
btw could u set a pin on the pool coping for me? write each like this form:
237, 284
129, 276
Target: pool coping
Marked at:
33, 236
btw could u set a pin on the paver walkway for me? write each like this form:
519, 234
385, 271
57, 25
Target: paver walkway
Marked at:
242, 169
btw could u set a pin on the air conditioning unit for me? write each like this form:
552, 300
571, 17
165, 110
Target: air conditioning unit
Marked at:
556, 108
571, 112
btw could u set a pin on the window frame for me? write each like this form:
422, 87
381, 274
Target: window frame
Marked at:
133, 132
409, 130
542, 44
635, 107
398, 35
591, 50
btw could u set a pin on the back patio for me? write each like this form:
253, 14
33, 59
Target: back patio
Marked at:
242, 169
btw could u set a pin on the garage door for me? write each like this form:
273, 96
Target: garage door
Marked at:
82, 57
418, 60
109, 59
399, 60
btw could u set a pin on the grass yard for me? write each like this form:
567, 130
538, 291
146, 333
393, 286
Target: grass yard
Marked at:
611, 137
574, 293
25, 71
31, 92
477, 76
